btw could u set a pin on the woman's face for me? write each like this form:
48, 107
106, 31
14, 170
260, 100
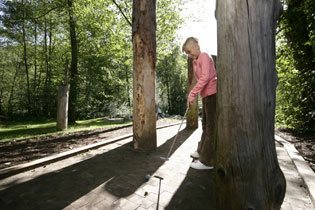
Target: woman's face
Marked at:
192, 50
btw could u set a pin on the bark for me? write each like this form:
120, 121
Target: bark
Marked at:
62, 108
144, 68
248, 175
26, 63
1, 96
36, 110
35, 59
1, 91
168, 89
127, 86
74, 64
192, 115
47, 88
11, 95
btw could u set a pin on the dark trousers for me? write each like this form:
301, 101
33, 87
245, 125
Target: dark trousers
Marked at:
206, 148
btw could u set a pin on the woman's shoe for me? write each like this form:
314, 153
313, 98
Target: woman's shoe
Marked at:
199, 165
195, 155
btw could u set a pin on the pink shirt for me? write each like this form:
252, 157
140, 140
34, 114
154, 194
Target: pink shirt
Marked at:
205, 75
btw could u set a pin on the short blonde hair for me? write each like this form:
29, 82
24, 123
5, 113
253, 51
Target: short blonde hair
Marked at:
188, 41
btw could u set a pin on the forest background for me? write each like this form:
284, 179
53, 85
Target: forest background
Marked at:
45, 44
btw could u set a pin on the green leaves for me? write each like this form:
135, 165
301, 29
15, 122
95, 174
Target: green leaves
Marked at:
104, 53
295, 66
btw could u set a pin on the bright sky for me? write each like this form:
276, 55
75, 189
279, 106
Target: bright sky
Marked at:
200, 22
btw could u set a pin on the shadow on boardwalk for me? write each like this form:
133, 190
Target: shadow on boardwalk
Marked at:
122, 169
195, 192
112, 178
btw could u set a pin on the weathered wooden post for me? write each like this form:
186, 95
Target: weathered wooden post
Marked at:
144, 67
248, 176
62, 107
192, 115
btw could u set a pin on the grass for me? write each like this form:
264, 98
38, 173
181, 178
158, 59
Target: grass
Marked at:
12, 130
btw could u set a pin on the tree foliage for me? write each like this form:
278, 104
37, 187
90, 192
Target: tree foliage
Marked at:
172, 82
103, 33
295, 65
171, 65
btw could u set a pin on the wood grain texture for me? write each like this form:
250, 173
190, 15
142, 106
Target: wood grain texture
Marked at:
248, 173
62, 107
192, 115
144, 68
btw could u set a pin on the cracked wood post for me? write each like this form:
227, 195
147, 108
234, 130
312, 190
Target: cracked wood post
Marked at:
62, 107
144, 67
248, 176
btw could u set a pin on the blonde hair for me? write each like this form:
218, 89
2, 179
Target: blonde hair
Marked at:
188, 41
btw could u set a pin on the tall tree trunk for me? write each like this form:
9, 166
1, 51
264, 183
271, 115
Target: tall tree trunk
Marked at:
248, 173
1, 96
50, 75
192, 115
127, 85
11, 96
144, 67
168, 92
35, 58
1, 90
47, 100
74, 64
34, 88
26, 62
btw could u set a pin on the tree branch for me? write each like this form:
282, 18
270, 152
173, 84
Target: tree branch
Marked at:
128, 21
44, 14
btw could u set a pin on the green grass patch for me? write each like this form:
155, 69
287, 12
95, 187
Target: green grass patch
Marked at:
26, 129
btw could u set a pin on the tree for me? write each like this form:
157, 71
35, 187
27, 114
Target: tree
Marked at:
16, 15
295, 64
92, 37
22, 25
192, 115
25, 58
248, 175
172, 82
171, 65
144, 66
74, 64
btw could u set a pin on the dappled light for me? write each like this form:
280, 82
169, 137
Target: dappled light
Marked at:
117, 169
169, 104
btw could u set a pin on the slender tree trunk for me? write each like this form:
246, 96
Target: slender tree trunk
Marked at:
247, 169
26, 63
50, 107
168, 92
11, 96
35, 59
1, 90
192, 115
1, 96
127, 87
144, 67
47, 100
74, 64
34, 85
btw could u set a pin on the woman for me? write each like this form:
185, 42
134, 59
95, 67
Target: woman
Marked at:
206, 86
